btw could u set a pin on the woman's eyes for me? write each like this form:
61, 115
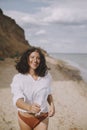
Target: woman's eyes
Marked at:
38, 58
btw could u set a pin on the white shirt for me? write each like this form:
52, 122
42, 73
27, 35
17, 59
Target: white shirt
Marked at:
33, 91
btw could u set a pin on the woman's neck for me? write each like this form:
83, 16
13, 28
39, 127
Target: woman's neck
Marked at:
32, 72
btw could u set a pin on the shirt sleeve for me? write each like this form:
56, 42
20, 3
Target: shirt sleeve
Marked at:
16, 89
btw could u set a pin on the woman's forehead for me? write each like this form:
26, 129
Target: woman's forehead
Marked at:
36, 53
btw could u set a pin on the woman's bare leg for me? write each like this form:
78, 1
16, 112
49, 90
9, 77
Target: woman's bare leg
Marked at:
43, 125
23, 125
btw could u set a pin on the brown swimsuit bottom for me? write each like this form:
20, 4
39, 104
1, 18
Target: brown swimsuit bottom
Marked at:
33, 121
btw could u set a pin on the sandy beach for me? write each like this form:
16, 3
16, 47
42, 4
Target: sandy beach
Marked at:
69, 93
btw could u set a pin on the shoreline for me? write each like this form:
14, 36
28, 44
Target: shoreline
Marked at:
63, 69
78, 65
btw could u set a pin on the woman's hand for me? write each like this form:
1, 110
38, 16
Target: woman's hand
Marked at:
51, 110
35, 108
51, 106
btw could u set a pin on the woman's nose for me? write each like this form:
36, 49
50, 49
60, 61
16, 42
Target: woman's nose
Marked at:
35, 59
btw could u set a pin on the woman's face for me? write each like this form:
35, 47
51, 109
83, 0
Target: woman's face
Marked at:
34, 60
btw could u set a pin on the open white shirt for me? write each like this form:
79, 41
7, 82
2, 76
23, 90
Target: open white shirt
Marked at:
33, 91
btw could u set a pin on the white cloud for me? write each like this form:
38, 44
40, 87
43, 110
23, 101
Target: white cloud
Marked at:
55, 13
40, 32
44, 41
22, 18
65, 15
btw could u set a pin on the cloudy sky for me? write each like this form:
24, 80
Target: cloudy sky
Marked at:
54, 25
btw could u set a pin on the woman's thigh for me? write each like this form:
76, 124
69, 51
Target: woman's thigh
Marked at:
42, 125
23, 125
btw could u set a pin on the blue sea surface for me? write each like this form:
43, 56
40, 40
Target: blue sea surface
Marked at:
78, 60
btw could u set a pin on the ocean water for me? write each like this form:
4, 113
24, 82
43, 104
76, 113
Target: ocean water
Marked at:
76, 59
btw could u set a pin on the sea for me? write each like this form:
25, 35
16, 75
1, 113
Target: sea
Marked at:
78, 60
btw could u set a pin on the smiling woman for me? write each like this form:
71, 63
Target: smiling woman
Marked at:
31, 91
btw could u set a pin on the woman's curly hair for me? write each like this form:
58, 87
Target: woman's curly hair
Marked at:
23, 67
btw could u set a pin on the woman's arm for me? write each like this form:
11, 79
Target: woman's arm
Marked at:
51, 104
34, 108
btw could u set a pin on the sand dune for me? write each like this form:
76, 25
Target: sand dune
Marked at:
69, 93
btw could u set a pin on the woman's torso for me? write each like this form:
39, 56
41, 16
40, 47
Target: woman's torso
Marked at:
35, 91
